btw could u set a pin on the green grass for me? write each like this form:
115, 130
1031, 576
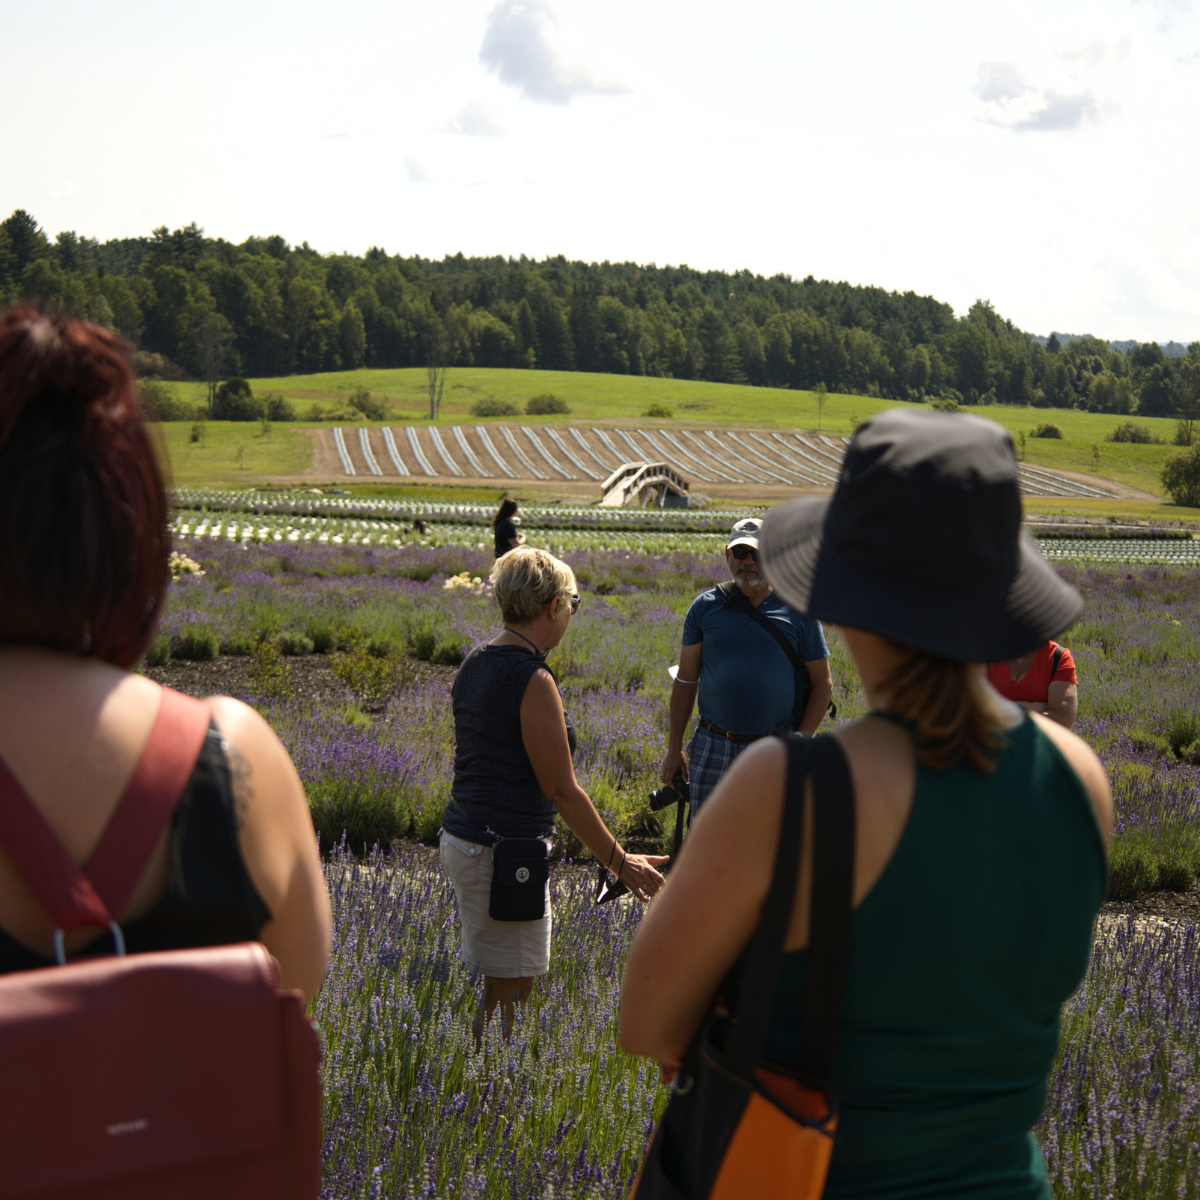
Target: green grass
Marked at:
1123, 510
214, 461
614, 397
590, 397
601, 397
1123, 462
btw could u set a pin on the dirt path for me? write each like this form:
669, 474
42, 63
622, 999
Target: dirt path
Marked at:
1123, 491
310, 677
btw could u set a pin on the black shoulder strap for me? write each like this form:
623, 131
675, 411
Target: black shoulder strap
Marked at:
761, 976
1055, 660
829, 937
831, 912
733, 597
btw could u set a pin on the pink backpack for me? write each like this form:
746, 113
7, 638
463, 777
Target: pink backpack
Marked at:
184, 1074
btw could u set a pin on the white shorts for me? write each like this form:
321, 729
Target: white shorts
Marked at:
501, 949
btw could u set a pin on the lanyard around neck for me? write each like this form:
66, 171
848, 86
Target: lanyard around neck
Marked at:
539, 653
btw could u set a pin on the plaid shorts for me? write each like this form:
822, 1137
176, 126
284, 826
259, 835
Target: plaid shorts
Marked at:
709, 756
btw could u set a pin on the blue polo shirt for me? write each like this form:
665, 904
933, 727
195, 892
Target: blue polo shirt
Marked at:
747, 684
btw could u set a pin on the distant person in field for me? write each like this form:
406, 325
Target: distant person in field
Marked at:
505, 529
979, 861
747, 684
1041, 681
83, 576
513, 752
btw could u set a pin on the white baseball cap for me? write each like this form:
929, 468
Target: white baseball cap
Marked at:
745, 533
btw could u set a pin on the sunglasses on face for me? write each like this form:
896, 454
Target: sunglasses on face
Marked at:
743, 551
574, 603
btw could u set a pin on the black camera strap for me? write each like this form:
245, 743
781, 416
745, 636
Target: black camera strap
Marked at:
606, 891
680, 805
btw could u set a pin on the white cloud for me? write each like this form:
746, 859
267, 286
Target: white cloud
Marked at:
414, 172
1012, 101
1062, 96
474, 119
518, 47
1099, 54
1169, 12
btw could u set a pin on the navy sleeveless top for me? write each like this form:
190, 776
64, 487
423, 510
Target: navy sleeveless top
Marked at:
495, 788
209, 899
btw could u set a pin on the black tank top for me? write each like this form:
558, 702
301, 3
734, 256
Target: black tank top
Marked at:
495, 788
209, 899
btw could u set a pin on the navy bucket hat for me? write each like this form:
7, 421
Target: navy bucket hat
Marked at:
921, 542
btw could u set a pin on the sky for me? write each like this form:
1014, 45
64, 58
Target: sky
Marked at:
1039, 155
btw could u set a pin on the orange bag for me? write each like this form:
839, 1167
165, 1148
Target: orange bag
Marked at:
736, 1128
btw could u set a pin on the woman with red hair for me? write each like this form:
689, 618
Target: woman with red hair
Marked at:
84, 546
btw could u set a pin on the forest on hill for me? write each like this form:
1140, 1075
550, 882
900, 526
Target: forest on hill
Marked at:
204, 307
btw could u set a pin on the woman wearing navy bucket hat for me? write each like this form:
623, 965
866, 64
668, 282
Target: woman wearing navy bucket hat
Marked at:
981, 831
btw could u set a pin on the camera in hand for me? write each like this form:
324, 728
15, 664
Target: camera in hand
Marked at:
670, 793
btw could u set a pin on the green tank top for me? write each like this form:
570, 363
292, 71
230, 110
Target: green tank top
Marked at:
961, 957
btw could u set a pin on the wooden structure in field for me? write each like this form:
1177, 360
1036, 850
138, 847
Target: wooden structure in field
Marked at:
650, 485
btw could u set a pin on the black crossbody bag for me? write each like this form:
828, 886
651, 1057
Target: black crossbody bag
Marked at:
734, 598
520, 870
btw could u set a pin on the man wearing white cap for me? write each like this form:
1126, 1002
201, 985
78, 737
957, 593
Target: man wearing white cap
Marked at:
758, 666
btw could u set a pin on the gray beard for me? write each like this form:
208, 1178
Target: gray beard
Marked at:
751, 589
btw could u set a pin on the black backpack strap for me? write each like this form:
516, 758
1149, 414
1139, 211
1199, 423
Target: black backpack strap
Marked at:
1055, 660
733, 597
761, 976
831, 911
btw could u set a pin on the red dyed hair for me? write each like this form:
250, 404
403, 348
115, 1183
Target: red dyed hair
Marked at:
83, 508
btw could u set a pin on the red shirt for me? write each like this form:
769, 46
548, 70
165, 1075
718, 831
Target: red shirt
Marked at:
1034, 686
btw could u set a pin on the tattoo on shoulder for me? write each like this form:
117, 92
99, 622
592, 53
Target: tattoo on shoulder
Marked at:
240, 772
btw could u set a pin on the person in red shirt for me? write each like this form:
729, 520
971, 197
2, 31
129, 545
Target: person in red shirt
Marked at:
1043, 681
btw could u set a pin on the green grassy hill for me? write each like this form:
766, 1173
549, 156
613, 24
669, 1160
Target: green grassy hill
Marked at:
627, 397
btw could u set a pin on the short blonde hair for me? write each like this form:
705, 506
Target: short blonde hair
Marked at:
526, 579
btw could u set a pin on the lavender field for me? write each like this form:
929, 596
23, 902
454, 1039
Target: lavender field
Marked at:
561, 1111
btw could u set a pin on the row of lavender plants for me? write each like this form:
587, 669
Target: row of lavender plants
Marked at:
560, 1111
377, 763
410, 1111
1137, 647
547, 516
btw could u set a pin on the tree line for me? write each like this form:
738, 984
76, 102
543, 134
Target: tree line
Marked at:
207, 308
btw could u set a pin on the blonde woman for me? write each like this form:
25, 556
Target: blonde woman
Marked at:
512, 771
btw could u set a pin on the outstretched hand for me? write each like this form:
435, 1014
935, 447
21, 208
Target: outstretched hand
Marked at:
637, 873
